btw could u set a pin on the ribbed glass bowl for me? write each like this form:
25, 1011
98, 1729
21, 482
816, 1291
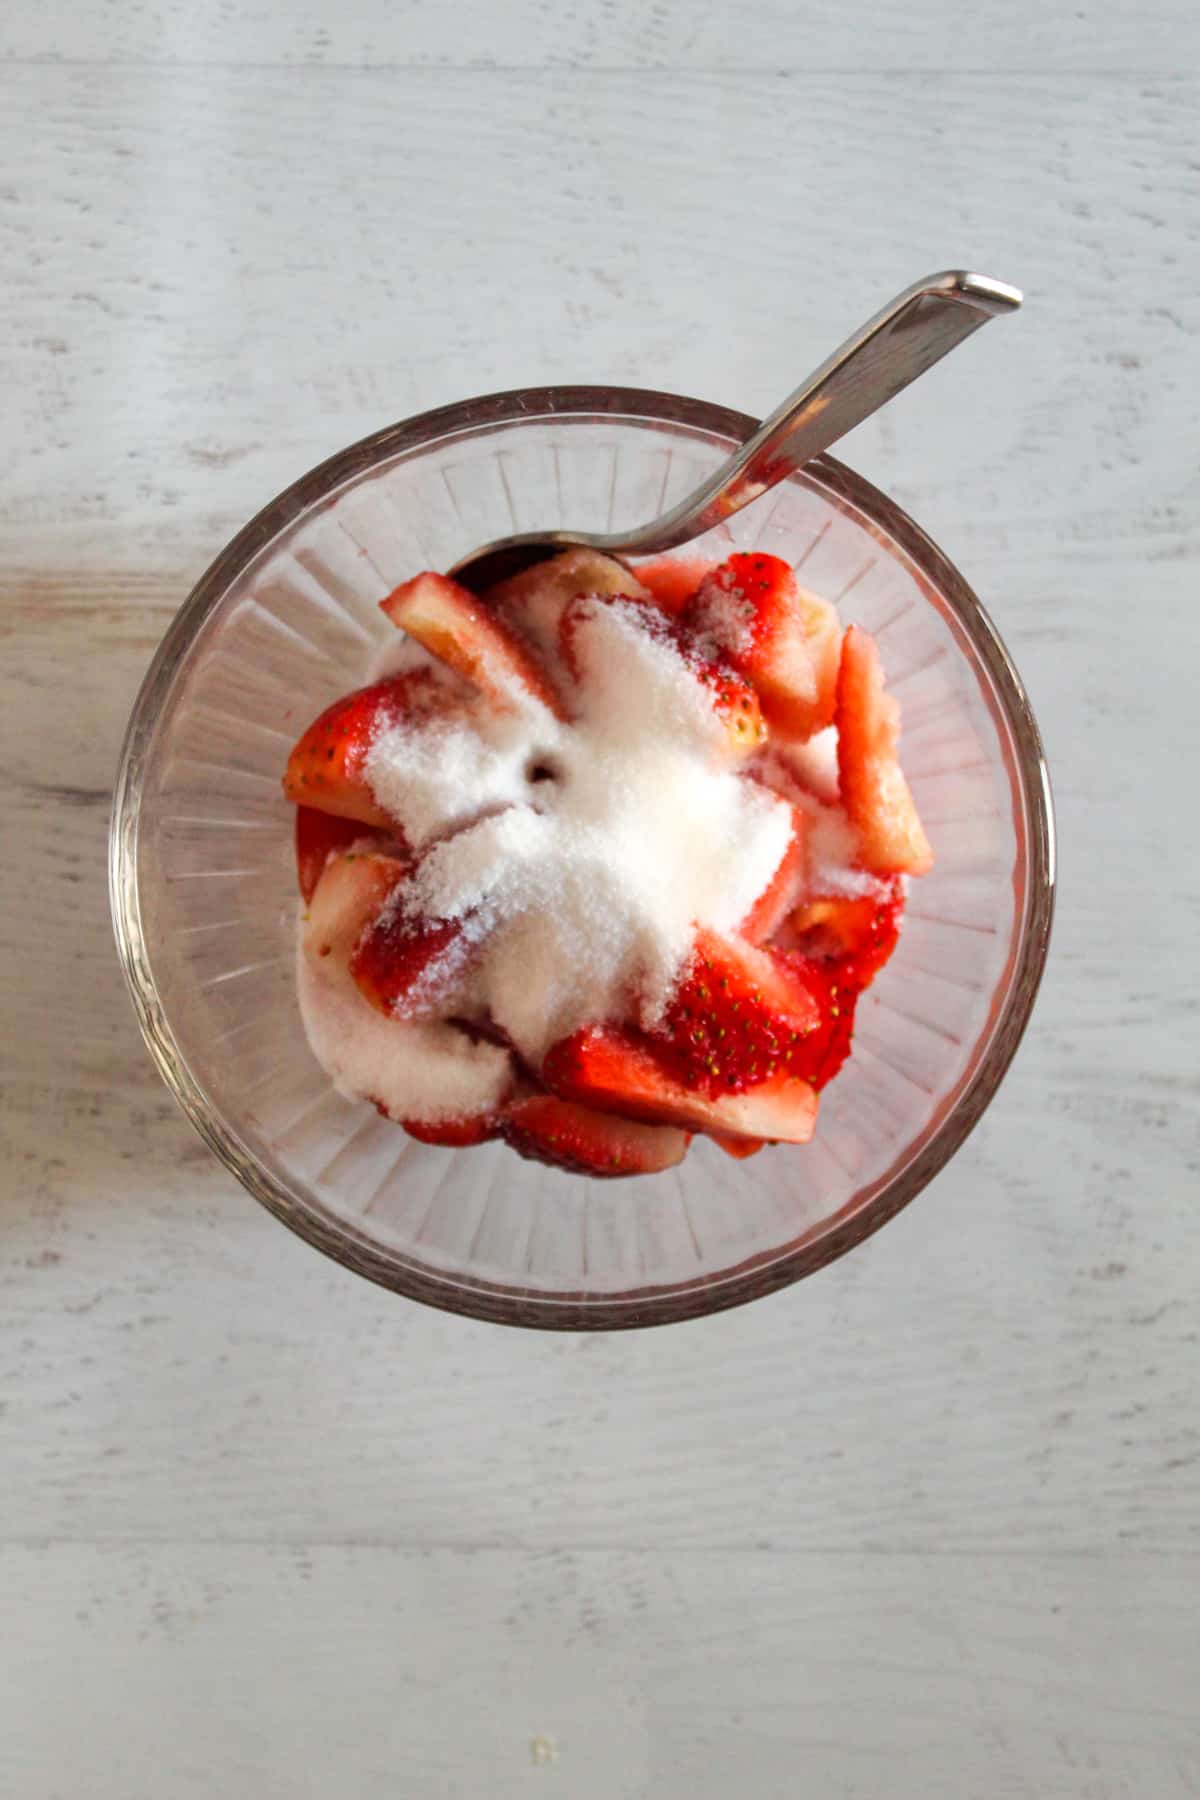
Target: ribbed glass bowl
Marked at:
204, 897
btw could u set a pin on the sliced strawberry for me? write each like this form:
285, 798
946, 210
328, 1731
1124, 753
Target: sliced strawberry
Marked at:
818, 1056
405, 965
349, 896
779, 896
737, 1014
467, 635
455, 1134
326, 769
735, 703
616, 1072
874, 791
534, 599
547, 1129
861, 931
672, 580
318, 835
741, 1148
823, 631
780, 638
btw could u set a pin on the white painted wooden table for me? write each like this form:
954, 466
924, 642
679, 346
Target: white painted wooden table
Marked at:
924, 1527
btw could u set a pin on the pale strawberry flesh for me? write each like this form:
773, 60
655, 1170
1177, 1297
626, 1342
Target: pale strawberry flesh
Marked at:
774, 634
352, 890
673, 580
873, 789
318, 836
568, 1136
617, 1072
469, 637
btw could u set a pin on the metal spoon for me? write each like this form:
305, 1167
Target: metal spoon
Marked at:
883, 356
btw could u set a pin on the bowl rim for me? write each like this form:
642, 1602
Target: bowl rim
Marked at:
767, 1271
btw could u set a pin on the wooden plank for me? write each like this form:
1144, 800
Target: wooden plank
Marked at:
672, 35
288, 1673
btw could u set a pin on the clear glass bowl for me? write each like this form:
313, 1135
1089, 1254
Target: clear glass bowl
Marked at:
204, 901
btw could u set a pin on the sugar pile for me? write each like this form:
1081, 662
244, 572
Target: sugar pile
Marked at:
580, 860
587, 888
421, 1069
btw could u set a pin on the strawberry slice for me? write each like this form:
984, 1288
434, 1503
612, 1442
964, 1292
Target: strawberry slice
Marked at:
818, 1056
823, 630
326, 769
406, 965
779, 896
549, 1130
860, 932
615, 1072
351, 892
874, 791
732, 698
454, 1134
740, 1148
736, 1017
735, 703
781, 638
672, 580
464, 633
318, 835
534, 600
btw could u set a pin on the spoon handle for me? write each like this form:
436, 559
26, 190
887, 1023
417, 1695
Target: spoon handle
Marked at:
883, 356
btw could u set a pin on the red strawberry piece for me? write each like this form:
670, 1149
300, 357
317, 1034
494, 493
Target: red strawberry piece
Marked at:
779, 896
860, 931
318, 835
733, 700
740, 1148
326, 768
672, 580
615, 1071
405, 965
454, 1134
547, 1129
818, 1056
781, 638
351, 892
874, 791
463, 632
736, 1015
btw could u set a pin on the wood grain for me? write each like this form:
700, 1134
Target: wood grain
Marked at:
284, 1672
812, 1546
668, 35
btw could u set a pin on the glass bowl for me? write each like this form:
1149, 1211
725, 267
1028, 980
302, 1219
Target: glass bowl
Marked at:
204, 900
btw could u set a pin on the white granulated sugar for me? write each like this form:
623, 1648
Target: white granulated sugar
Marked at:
831, 847
723, 618
594, 898
814, 763
831, 851
435, 776
581, 894
416, 1069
